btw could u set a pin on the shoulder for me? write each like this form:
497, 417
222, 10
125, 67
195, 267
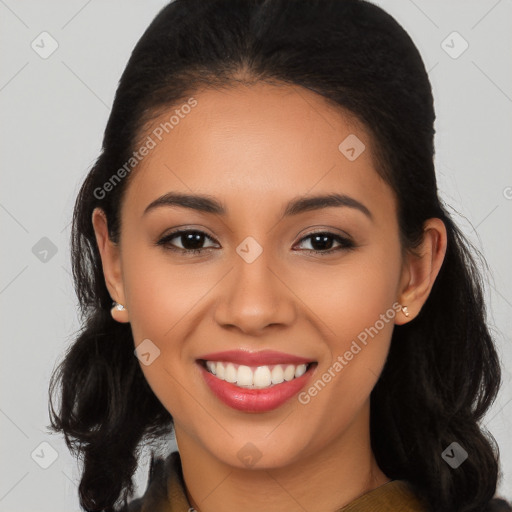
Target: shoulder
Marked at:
401, 495
156, 494
392, 496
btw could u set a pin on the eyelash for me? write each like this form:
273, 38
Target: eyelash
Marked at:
346, 244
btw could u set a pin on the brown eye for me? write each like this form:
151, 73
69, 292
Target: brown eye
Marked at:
191, 241
323, 241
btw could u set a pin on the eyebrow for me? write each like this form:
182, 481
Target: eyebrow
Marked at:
208, 204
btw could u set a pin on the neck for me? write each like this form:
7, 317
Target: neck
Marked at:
323, 480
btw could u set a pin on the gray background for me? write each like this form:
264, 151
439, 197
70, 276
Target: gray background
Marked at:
54, 112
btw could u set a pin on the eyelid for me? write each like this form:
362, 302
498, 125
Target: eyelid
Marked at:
326, 230
182, 230
345, 240
186, 228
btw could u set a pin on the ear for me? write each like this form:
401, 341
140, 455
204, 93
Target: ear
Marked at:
420, 270
111, 263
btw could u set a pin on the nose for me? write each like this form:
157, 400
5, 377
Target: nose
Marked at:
254, 297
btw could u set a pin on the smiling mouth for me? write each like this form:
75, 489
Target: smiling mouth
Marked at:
255, 377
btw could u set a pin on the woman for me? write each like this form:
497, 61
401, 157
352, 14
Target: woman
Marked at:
263, 229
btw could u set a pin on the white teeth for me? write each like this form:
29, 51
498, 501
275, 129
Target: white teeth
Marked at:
262, 377
289, 372
244, 376
220, 371
257, 377
300, 370
231, 373
277, 375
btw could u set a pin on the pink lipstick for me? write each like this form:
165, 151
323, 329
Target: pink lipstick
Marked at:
255, 381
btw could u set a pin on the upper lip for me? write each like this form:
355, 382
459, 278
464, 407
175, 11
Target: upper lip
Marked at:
260, 358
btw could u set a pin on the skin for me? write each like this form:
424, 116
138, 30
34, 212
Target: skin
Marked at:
255, 148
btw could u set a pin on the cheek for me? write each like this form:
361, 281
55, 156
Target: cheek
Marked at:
350, 297
355, 310
162, 299
159, 293
159, 297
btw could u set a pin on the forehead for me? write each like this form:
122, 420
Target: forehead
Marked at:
256, 142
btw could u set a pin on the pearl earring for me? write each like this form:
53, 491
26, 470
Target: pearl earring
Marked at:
405, 310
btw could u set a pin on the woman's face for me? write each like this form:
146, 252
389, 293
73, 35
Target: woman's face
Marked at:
263, 281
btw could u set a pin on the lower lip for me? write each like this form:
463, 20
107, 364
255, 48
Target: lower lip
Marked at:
255, 400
